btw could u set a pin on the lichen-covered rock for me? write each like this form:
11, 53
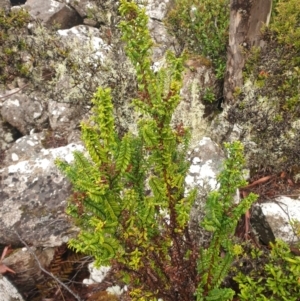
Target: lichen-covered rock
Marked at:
269, 133
24, 113
33, 198
7, 291
24, 148
206, 163
87, 66
157, 9
264, 87
64, 117
5, 4
280, 214
223, 129
101, 276
85, 34
53, 12
190, 111
102, 12
163, 40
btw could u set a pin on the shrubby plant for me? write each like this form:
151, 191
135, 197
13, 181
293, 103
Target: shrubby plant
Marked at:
222, 215
129, 195
201, 26
277, 278
11, 62
209, 95
144, 233
286, 22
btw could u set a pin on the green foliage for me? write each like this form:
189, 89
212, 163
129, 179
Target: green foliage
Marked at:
11, 62
295, 223
202, 27
278, 280
143, 233
129, 198
222, 215
209, 95
285, 29
253, 57
286, 22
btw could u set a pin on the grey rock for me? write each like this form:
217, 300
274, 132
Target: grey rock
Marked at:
90, 22
81, 7
74, 137
206, 163
280, 214
102, 12
222, 129
90, 56
53, 12
163, 40
63, 117
33, 198
24, 113
157, 9
24, 148
261, 227
5, 4
7, 291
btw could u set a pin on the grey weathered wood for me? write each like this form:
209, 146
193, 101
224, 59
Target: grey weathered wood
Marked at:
246, 20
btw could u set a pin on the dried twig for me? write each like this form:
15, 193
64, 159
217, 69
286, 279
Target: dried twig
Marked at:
5, 96
259, 181
45, 271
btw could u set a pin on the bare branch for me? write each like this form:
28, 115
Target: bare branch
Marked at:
5, 96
